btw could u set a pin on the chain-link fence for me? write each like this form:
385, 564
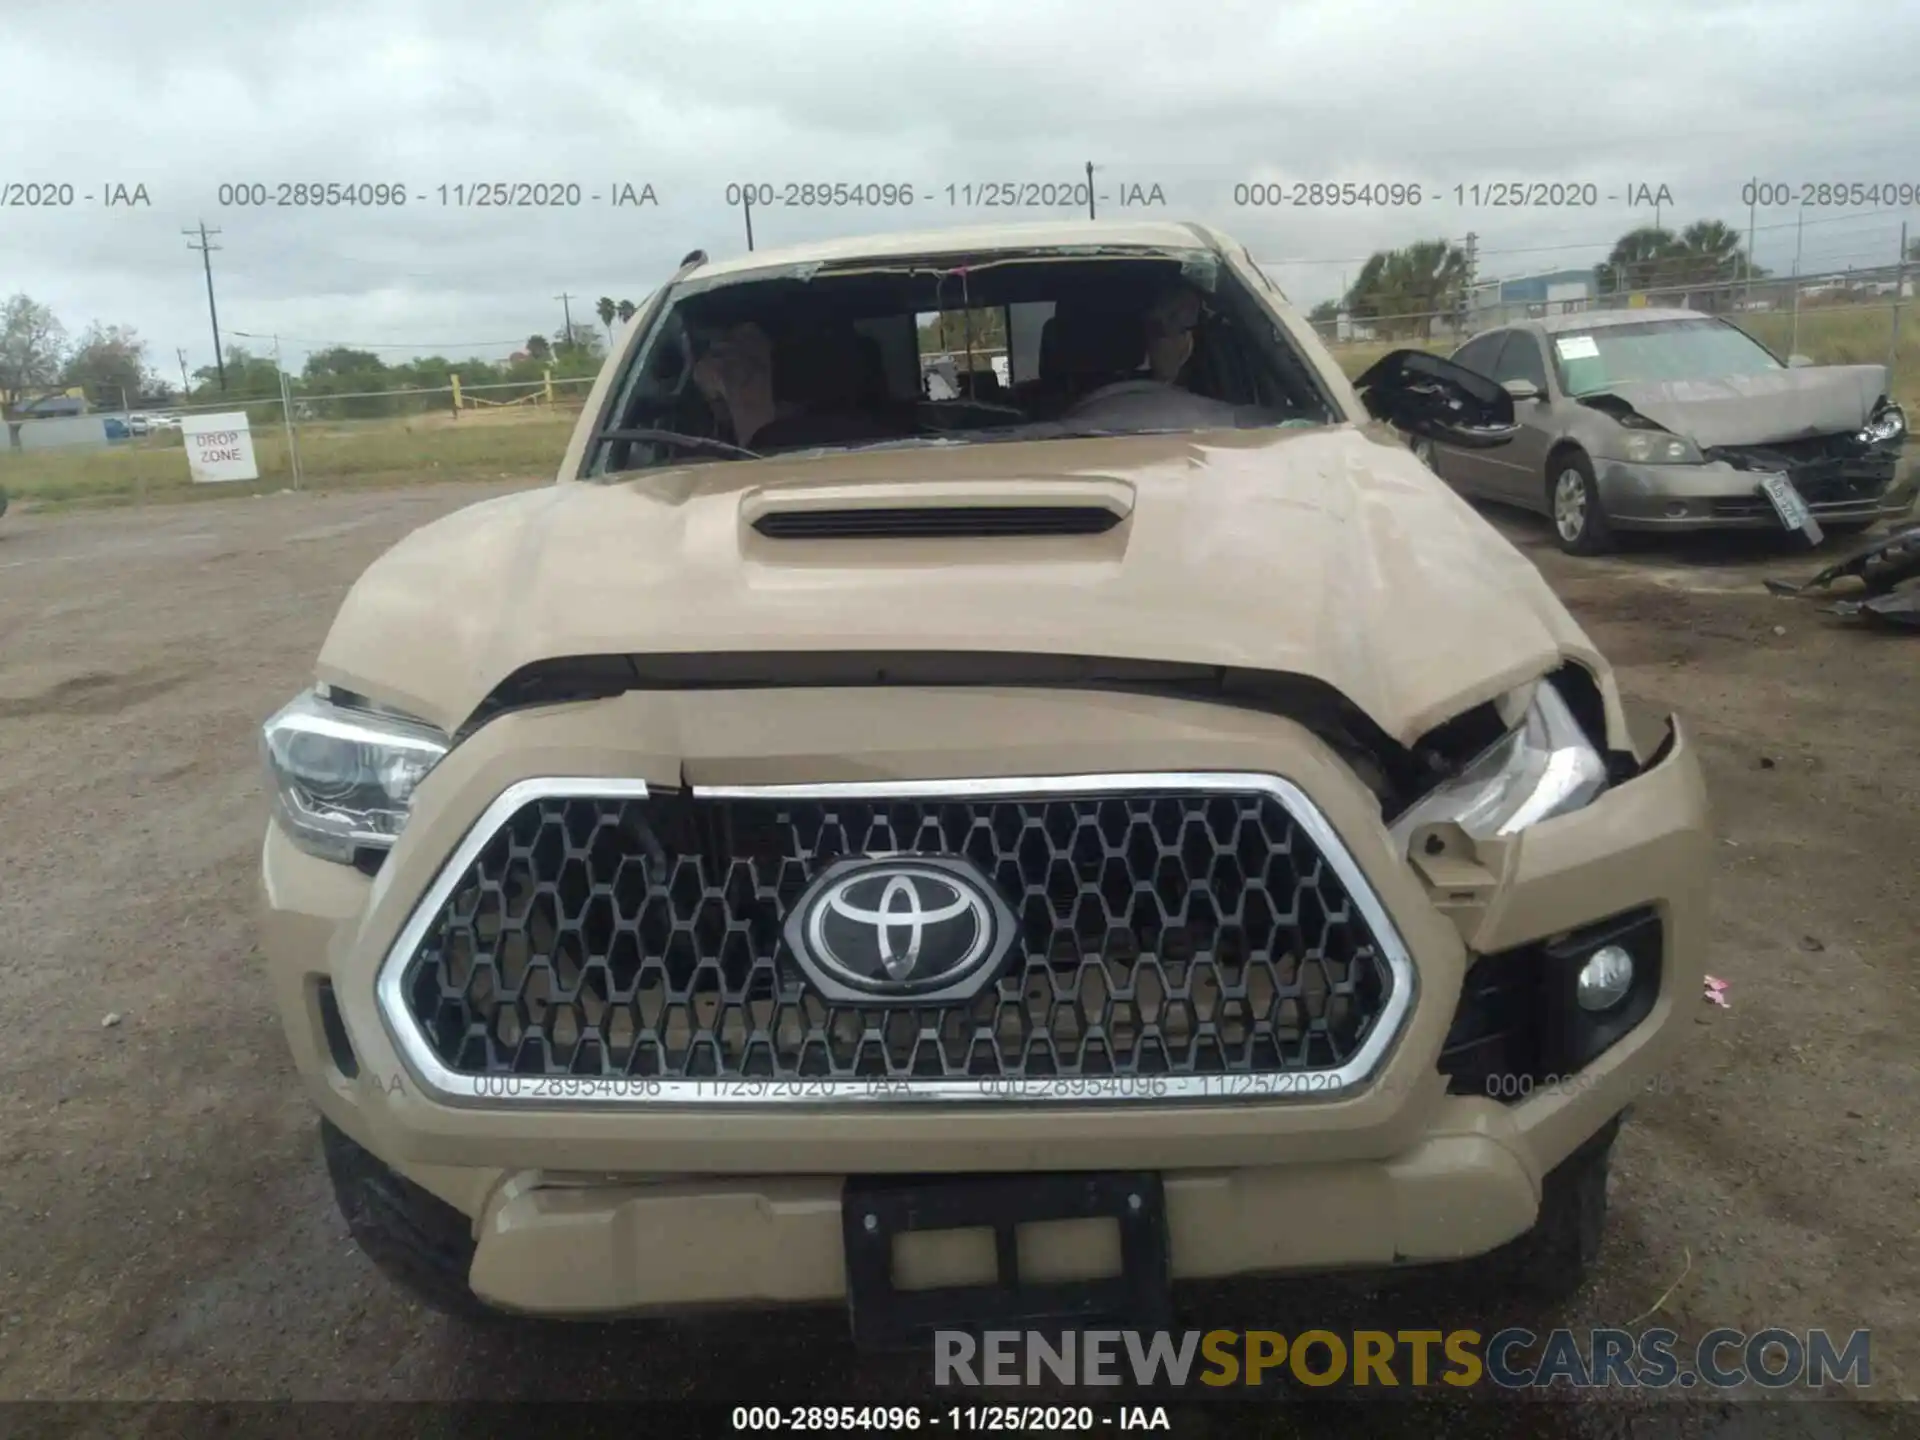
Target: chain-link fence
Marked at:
1855, 317
312, 438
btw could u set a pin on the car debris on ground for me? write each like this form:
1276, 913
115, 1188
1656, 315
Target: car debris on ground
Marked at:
1882, 566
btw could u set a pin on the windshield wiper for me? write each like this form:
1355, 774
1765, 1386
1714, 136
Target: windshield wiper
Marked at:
674, 437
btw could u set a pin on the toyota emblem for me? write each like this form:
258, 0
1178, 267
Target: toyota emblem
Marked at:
924, 929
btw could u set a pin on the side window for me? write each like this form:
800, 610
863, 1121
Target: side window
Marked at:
1477, 354
1520, 360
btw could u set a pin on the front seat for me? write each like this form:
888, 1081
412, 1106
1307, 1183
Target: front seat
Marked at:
833, 375
1085, 346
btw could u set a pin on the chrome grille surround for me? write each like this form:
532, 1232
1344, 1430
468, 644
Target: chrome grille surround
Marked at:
546, 1087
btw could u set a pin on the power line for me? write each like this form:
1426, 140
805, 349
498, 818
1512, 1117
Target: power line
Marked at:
206, 255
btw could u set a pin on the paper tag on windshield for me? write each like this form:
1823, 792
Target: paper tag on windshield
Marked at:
1577, 347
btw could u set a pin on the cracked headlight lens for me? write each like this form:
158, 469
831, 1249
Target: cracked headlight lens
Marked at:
1545, 766
1888, 424
342, 779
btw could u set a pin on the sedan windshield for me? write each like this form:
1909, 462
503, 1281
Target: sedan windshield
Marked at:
1610, 355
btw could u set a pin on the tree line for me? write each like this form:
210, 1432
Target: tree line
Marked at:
1400, 292
38, 358
112, 365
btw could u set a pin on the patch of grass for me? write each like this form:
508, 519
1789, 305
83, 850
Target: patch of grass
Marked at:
333, 453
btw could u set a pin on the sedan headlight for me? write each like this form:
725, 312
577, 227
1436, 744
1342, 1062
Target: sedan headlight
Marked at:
1656, 447
342, 778
1887, 424
1544, 766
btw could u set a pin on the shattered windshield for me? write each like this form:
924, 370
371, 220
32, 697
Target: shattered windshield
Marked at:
907, 353
1613, 355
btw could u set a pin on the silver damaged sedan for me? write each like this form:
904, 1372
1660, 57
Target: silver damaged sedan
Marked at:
1674, 420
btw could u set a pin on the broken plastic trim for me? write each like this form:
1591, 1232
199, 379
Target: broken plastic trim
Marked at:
1893, 612
1879, 565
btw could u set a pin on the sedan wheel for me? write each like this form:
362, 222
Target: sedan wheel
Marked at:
1570, 505
1578, 520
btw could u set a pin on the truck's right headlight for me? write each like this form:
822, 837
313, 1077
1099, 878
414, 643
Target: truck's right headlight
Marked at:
342, 777
1544, 766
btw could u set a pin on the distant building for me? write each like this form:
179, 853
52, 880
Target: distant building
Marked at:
1528, 297
61, 432
50, 407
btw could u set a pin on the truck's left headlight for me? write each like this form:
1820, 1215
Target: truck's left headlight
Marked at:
1543, 767
343, 777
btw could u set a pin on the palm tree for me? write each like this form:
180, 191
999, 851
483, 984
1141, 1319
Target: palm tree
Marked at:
607, 309
1407, 288
627, 311
1640, 259
1710, 254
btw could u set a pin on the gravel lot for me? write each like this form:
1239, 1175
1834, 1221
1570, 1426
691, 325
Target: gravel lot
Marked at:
166, 1229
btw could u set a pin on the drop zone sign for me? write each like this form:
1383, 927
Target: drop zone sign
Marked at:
219, 447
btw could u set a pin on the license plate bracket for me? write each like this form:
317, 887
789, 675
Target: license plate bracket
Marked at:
874, 1209
1790, 506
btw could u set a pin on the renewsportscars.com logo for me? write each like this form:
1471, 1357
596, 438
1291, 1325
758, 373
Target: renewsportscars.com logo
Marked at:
1512, 1359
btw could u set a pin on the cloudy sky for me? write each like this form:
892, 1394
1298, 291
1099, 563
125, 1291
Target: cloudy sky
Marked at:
1192, 97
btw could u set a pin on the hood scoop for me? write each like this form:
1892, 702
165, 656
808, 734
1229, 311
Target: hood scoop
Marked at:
910, 510
942, 522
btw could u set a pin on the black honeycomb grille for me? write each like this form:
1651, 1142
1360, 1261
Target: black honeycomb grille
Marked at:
1168, 934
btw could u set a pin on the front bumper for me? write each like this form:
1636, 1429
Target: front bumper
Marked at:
599, 1209
1717, 496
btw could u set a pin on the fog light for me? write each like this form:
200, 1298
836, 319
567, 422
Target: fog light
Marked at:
1605, 979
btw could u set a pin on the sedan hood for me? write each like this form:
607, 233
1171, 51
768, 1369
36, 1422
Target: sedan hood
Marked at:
1760, 409
1326, 553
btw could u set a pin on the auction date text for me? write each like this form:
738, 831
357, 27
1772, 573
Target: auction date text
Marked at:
65, 195
462, 195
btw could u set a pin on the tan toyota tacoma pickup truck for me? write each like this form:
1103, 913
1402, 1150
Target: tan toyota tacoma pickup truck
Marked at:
834, 835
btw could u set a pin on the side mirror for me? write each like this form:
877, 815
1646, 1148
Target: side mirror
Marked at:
1798, 361
1523, 390
1436, 399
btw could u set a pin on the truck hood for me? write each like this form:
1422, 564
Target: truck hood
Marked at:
1760, 409
1328, 553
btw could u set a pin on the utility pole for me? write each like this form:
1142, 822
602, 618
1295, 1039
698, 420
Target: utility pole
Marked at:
1090, 214
1473, 272
1799, 235
566, 335
286, 413
746, 207
1750, 255
206, 255
186, 386
1899, 290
